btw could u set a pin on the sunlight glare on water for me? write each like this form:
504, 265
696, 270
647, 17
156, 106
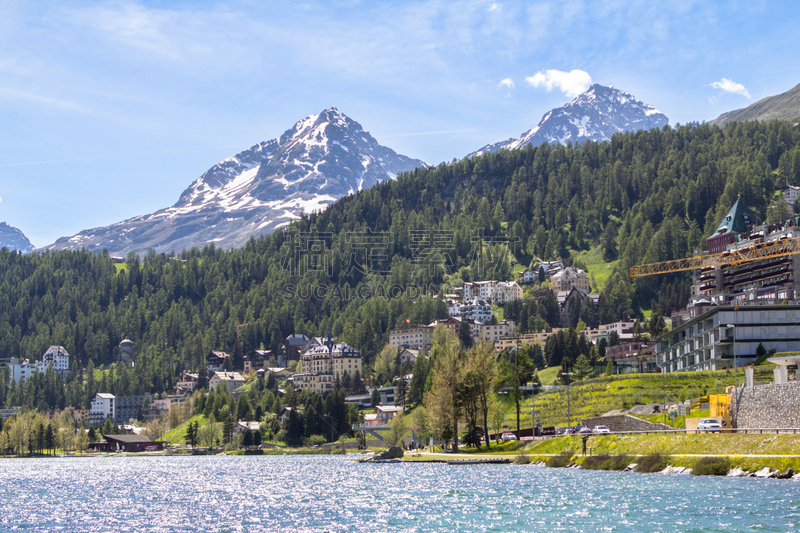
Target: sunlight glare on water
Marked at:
333, 493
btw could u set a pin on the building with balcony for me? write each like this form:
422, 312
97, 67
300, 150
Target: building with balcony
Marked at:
256, 359
102, 407
494, 332
320, 366
415, 338
711, 336
568, 278
770, 279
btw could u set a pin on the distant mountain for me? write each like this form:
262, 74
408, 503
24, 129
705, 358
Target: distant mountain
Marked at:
784, 106
317, 161
594, 115
14, 239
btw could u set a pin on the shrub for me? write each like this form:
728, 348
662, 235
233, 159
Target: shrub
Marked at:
561, 460
337, 451
712, 466
315, 440
655, 462
522, 459
606, 462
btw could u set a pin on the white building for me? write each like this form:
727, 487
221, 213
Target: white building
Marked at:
20, 371
453, 307
103, 406
234, 380
477, 309
498, 292
709, 340
506, 291
550, 268
58, 357
790, 194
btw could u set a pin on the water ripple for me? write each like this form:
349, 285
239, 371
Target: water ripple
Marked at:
326, 494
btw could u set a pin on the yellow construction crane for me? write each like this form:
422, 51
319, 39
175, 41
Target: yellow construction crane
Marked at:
765, 250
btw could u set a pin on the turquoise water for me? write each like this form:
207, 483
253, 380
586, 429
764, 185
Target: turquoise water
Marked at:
332, 493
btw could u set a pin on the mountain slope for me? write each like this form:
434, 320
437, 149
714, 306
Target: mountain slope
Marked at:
14, 239
594, 115
784, 106
317, 161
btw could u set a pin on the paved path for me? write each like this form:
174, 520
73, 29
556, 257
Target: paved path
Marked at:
514, 454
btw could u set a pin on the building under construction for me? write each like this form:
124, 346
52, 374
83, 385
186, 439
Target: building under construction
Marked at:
770, 278
744, 294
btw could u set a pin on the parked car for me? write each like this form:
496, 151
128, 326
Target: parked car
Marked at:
508, 437
601, 429
709, 424
585, 431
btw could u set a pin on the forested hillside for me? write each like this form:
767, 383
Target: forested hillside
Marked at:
372, 260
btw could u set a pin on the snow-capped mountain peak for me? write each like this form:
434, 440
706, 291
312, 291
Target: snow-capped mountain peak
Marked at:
13, 239
594, 115
315, 162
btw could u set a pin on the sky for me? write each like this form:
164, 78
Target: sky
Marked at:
111, 109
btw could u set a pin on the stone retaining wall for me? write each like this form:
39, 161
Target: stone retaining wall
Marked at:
623, 423
767, 406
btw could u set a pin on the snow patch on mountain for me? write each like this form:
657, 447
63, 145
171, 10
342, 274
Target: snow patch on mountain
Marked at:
314, 163
13, 239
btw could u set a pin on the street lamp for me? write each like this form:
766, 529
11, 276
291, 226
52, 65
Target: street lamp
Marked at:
664, 385
569, 416
533, 413
735, 379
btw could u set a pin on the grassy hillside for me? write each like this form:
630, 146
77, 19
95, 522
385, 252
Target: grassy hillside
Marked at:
598, 396
784, 106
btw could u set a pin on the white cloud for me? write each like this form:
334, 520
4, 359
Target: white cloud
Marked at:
571, 83
495, 6
730, 86
508, 83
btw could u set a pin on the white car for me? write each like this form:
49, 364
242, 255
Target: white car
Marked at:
709, 424
508, 437
601, 429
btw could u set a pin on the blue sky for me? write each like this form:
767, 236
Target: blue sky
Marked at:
111, 109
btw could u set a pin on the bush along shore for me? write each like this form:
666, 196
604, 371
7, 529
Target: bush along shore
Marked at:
665, 464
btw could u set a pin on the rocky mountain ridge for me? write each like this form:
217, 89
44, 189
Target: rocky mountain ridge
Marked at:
595, 115
320, 159
13, 239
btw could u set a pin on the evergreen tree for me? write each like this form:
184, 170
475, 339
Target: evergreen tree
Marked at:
419, 376
582, 368
375, 399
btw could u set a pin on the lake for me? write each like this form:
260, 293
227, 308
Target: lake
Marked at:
332, 493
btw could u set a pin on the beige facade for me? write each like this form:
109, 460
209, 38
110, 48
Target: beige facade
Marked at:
568, 278
320, 366
416, 338
494, 332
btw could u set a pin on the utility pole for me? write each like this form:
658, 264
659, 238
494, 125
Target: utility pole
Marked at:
664, 386
569, 416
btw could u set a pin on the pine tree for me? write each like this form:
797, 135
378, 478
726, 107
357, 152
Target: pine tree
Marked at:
582, 368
